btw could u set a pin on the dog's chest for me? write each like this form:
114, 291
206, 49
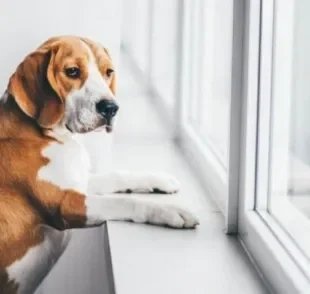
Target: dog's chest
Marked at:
68, 165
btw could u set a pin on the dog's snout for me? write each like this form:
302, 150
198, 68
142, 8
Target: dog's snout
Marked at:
107, 108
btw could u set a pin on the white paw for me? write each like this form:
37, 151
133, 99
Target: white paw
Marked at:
147, 183
158, 183
163, 183
171, 216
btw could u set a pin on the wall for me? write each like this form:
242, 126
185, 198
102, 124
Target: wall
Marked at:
23, 26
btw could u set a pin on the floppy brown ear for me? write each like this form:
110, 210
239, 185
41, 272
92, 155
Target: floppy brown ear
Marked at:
32, 89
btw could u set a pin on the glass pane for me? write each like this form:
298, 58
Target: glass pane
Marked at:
164, 48
136, 30
289, 187
209, 104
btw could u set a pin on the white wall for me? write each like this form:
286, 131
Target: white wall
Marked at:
23, 26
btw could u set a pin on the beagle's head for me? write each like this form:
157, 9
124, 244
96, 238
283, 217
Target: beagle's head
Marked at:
68, 82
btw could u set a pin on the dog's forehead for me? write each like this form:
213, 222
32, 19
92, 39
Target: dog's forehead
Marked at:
98, 51
79, 47
70, 47
76, 47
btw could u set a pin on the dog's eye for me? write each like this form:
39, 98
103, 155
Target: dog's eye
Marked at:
73, 72
109, 72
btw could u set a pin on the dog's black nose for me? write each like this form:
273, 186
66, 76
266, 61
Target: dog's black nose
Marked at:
107, 108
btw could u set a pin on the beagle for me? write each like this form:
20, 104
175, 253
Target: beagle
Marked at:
64, 87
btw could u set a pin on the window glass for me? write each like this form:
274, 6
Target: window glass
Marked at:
210, 80
164, 48
289, 169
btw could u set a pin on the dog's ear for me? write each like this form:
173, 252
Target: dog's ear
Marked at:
34, 88
113, 80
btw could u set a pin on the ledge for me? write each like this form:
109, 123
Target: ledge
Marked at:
149, 259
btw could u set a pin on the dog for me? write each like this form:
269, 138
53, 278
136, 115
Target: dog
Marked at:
65, 87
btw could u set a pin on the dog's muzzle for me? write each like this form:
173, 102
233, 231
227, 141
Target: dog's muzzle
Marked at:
107, 109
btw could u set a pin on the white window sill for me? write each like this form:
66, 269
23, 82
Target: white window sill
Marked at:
148, 259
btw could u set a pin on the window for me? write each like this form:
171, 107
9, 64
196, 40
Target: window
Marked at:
274, 223
187, 59
284, 192
233, 76
163, 50
210, 61
150, 37
205, 91
136, 29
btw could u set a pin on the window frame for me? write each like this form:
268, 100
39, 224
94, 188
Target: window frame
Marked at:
272, 250
240, 194
291, 220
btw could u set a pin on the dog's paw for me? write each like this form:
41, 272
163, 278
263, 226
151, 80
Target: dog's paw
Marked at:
163, 183
171, 216
146, 182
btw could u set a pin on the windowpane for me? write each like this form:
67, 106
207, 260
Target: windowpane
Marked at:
136, 30
164, 48
289, 179
210, 80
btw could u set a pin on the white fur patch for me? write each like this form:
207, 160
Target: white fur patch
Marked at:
68, 167
95, 82
31, 269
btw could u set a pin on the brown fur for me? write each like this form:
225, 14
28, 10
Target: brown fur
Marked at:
37, 91
25, 202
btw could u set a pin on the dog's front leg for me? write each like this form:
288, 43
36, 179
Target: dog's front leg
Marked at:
135, 182
78, 210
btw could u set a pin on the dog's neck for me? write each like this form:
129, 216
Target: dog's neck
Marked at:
60, 133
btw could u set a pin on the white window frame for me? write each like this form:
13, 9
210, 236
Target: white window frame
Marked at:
294, 222
274, 252
241, 195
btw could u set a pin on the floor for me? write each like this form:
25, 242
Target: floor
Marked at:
147, 259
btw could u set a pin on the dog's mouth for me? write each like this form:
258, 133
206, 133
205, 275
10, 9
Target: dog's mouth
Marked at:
107, 126
68, 128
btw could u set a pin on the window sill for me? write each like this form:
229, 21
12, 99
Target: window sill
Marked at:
149, 259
